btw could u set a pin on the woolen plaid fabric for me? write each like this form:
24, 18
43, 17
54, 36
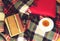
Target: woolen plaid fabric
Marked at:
2, 15
10, 8
30, 22
49, 36
23, 5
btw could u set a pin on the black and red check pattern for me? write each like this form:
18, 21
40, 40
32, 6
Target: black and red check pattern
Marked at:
9, 8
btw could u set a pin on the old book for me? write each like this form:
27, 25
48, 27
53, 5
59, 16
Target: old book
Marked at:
14, 25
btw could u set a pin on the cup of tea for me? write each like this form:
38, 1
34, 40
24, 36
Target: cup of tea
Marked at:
46, 24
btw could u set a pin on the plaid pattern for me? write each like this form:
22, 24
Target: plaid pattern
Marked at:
30, 22
49, 36
2, 16
23, 5
10, 7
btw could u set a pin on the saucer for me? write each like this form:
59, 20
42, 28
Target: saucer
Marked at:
48, 26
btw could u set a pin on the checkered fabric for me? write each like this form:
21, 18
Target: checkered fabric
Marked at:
49, 36
30, 22
1, 17
9, 8
13, 6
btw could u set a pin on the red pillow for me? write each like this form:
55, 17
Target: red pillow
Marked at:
44, 7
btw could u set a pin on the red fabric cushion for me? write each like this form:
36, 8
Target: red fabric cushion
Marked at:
44, 7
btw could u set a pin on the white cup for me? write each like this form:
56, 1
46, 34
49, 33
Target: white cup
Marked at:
45, 25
